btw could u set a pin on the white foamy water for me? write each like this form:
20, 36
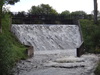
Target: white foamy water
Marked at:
48, 37
55, 46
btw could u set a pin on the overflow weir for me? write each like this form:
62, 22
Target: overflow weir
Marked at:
50, 38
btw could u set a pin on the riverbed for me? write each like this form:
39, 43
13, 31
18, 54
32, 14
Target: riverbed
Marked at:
57, 64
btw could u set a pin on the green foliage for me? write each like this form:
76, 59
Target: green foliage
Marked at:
78, 13
91, 35
10, 49
16, 45
34, 10
66, 12
44, 9
97, 70
6, 56
10, 1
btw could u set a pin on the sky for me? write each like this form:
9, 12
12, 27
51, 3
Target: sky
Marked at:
58, 5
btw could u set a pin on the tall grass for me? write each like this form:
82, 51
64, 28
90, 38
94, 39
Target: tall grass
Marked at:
10, 48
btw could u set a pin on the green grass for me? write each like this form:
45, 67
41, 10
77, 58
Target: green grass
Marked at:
11, 50
18, 48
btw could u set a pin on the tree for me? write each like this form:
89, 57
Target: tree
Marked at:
95, 11
78, 14
1, 5
21, 14
66, 12
34, 10
42, 9
46, 9
43, 14
2, 2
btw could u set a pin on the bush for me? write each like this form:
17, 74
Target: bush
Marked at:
11, 50
97, 70
6, 56
91, 35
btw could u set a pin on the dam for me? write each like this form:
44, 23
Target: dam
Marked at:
49, 38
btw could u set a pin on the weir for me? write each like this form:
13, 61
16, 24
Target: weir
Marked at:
47, 38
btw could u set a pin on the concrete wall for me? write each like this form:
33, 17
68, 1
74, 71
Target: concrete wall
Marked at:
48, 37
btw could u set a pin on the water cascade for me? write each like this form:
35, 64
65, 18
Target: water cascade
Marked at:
48, 37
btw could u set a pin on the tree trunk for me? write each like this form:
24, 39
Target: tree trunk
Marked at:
0, 20
1, 5
95, 11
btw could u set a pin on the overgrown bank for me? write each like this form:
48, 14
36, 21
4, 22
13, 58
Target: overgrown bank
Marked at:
91, 35
10, 49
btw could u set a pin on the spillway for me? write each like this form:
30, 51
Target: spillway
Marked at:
48, 37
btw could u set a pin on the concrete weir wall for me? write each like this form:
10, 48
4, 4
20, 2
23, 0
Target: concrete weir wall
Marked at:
49, 37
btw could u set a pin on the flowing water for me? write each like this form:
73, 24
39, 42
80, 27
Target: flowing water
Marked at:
55, 46
49, 37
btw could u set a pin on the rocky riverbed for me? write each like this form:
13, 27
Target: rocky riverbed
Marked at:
57, 64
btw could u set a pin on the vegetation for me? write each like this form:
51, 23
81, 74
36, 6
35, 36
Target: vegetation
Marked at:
2, 2
97, 71
10, 49
66, 12
91, 35
47, 15
44, 9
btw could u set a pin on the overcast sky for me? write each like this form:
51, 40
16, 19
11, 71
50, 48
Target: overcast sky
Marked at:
58, 5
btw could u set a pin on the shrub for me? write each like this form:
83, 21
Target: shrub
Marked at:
6, 56
11, 50
97, 70
91, 35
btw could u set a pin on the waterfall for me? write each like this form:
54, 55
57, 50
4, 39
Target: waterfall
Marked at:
48, 37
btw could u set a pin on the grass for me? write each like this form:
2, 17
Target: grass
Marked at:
17, 47
11, 50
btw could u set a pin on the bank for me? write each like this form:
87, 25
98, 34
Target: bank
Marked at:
11, 50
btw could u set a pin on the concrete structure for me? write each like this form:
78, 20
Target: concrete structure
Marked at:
30, 51
49, 38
